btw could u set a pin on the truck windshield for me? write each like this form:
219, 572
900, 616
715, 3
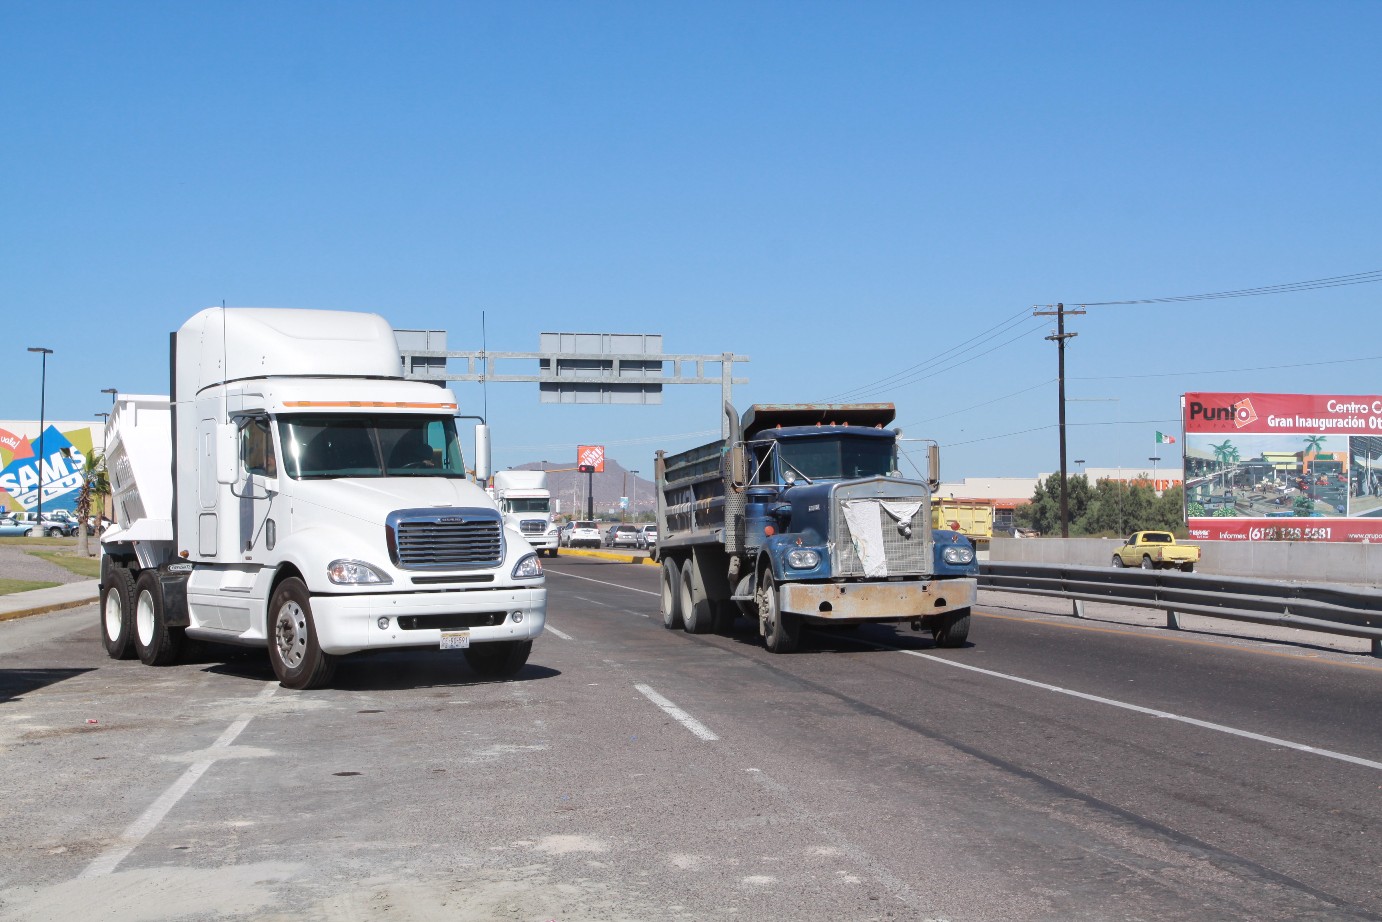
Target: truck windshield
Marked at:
527, 504
838, 458
370, 445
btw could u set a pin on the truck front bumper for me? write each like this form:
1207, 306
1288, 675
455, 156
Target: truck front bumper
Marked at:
351, 623
836, 602
542, 542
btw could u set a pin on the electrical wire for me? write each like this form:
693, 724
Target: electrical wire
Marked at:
1225, 371
1335, 281
1008, 435
995, 330
978, 405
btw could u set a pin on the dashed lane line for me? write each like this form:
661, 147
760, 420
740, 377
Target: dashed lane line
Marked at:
677, 714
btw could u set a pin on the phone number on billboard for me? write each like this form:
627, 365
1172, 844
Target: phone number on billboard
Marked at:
1279, 533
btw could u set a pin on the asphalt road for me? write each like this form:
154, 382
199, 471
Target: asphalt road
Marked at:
1052, 769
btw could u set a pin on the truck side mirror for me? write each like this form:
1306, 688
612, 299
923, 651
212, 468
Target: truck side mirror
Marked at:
481, 453
227, 449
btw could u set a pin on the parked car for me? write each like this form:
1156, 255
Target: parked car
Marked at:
581, 534
10, 527
647, 537
622, 536
50, 526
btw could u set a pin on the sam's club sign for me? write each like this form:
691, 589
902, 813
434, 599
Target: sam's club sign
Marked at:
54, 459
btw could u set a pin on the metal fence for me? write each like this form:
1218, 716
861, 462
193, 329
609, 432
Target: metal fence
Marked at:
1356, 612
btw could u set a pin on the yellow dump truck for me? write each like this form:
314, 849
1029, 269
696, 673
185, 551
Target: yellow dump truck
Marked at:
1156, 550
971, 518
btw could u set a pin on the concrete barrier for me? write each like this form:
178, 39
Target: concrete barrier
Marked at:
1306, 561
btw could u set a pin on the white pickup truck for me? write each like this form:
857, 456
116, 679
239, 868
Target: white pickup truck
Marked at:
321, 506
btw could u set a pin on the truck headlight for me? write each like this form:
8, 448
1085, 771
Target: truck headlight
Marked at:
528, 568
354, 573
803, 558
958, 554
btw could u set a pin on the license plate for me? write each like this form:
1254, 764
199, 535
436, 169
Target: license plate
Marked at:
455, 640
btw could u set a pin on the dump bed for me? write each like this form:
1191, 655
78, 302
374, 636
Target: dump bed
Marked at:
139, 462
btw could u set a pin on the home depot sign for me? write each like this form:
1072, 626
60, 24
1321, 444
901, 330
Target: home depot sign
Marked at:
592, 456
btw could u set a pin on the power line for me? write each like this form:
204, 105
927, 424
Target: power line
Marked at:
1008, 435
1228, 371
884, 382
1335, 281
978, 405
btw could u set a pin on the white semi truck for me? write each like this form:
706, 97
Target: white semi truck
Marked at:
296, 493
526, 504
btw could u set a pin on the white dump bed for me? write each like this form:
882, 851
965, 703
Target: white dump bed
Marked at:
139, 462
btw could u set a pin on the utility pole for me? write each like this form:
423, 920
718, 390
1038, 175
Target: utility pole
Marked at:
1060, 336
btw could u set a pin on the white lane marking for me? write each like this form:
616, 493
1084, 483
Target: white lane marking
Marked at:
1153, 712
581, 598
601, 582
129, 840
551, 630
677, 714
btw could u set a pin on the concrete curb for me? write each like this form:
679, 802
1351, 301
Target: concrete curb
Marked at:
606, 555
54, 598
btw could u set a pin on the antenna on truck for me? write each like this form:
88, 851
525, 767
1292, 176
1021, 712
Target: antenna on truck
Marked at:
484, 376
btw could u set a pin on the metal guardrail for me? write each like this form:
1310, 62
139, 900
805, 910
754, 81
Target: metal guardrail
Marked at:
1356, 612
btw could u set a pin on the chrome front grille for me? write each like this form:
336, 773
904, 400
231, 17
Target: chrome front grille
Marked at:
440, 539
532, 526
906, 554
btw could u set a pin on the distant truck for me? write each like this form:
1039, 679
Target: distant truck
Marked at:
971, 518
1156, 550
296, 494
526, 504
802, 517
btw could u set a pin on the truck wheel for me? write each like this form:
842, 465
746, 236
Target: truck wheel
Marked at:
156, 643
695, 612
1118, 561
117, 614
671, 595
782, 631
953, 629
500, 659
552, 552
1147, 563
294, 650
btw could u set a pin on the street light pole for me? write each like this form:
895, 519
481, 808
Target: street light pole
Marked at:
633, 507
42, 401
112, 392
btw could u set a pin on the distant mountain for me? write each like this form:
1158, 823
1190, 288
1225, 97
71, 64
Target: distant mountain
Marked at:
569, 487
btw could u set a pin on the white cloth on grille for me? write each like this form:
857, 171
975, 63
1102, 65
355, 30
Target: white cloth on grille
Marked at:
866, 529
866, 534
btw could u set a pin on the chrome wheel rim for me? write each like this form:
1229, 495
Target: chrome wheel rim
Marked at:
290, 634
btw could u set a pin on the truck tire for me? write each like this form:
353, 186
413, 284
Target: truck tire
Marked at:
1118, 561
552, 552
671, 595
1147, 562
156, 643
953, 629
117, 614
696, 613
294, 650
782, 631
500, 659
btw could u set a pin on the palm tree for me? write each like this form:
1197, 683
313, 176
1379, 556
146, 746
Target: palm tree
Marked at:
1224, 453
94, 484
1312, 448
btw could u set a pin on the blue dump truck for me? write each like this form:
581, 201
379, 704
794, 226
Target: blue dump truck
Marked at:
802, 516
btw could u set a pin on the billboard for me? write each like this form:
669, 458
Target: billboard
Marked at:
1282, 467
591, 456
58, 455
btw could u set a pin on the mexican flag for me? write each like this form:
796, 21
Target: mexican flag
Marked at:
1164, 439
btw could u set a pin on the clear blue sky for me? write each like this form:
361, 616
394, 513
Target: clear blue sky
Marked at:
840, 191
